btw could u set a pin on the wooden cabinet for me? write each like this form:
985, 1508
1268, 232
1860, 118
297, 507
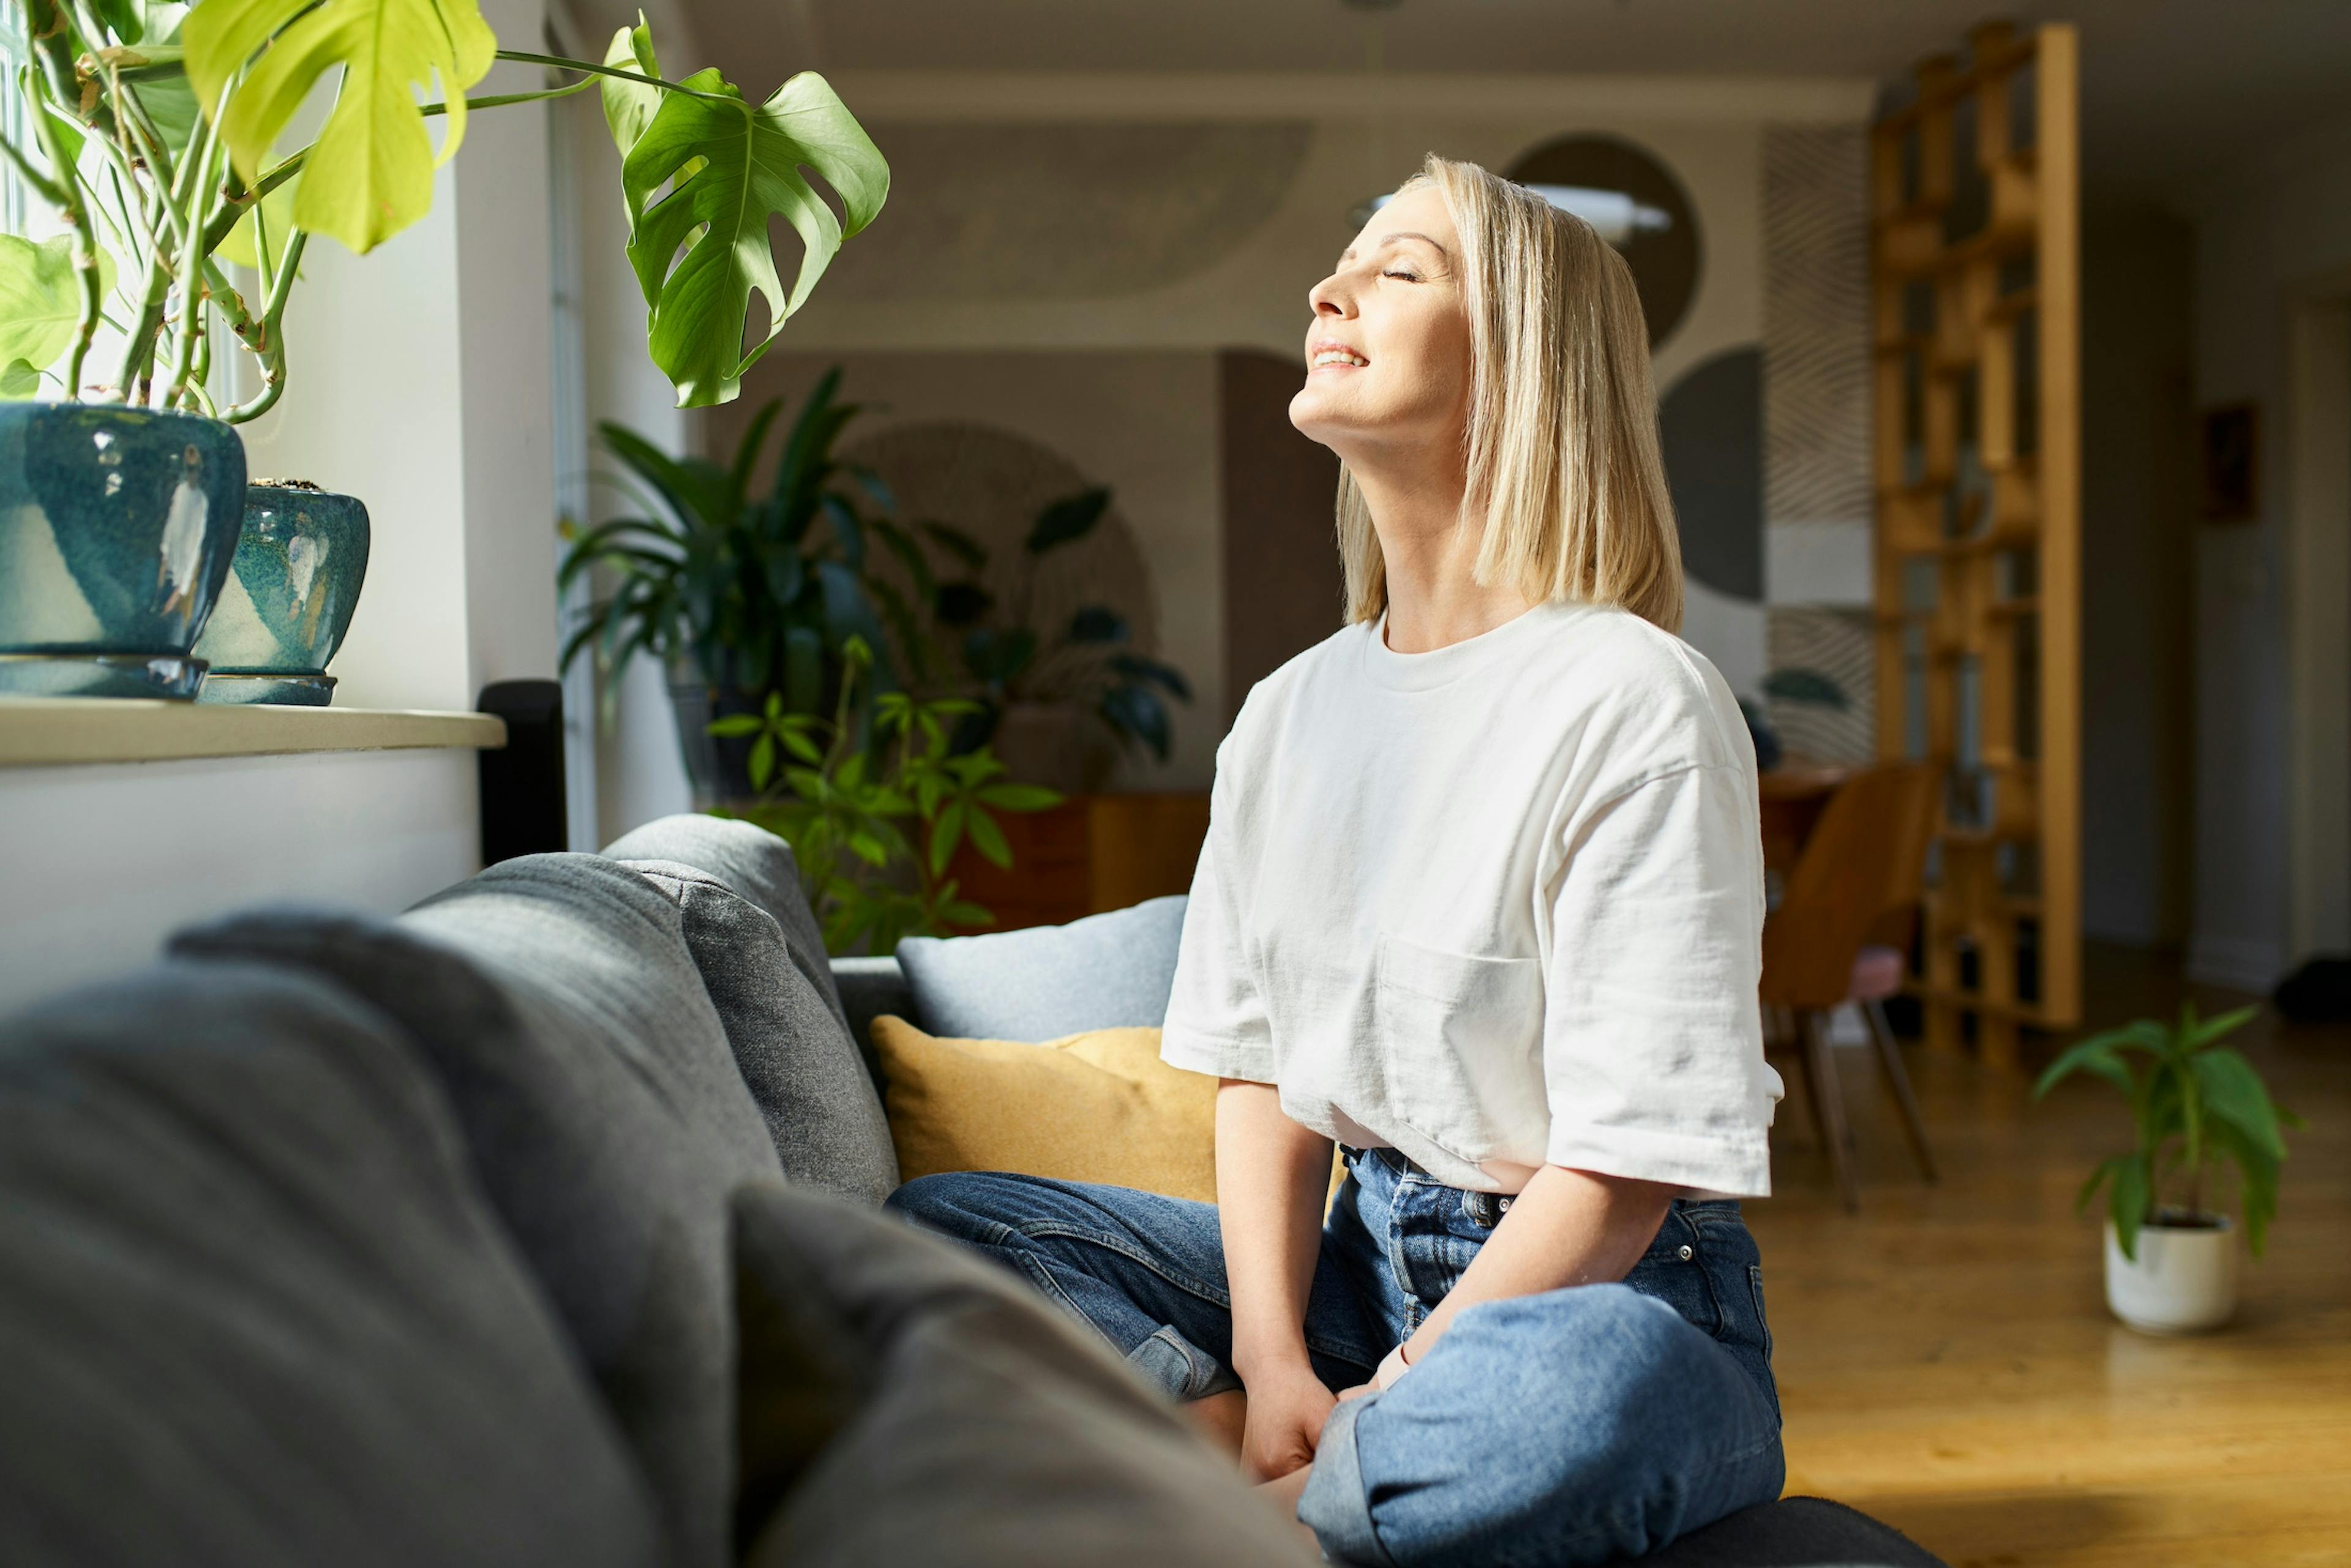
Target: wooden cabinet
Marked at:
1089, 854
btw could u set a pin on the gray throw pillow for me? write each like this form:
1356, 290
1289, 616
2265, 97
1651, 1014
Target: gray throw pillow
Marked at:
1106, 971
555, 998
812, 1088
905, 1404
259, 1311
755, 863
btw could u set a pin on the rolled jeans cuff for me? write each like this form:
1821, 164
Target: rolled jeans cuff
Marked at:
1181, 1368
1336, 1505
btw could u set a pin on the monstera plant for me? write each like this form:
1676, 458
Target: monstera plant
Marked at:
158, 137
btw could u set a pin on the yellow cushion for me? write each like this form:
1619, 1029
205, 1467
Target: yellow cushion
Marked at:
1094, 1107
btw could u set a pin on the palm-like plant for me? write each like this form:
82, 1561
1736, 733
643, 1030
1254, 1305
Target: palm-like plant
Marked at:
747, 589
2198, 1104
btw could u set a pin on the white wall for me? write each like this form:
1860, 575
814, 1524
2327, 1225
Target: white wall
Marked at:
2266, 228
639, 773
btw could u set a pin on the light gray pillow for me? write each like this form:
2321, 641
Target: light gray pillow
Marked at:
259, 1313
904, 1403
1106, 971
812, 1086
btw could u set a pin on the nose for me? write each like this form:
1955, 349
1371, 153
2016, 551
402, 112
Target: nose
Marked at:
1333, 297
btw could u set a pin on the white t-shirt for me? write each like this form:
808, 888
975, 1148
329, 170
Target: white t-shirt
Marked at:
1496, 906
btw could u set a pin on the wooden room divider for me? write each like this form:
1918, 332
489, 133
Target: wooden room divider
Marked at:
1976, 292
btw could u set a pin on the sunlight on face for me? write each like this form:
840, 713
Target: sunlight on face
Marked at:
1387, 355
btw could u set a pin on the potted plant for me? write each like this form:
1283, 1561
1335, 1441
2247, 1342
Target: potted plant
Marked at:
875, 826
1041, 697
743, 597
2201, 1111
154, 132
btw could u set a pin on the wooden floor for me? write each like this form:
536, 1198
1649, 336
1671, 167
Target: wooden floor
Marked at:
1945, 1360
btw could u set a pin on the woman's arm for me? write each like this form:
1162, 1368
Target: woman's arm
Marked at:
1565, 1228
1271, 1177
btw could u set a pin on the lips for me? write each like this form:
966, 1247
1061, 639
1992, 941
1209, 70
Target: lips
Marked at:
1328, 355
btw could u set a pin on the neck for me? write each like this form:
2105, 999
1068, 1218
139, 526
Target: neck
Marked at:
1428, 544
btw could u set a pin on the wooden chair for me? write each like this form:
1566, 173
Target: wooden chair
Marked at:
1864, 862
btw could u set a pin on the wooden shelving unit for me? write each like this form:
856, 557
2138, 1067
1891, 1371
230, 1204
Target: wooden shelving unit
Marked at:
1975, 256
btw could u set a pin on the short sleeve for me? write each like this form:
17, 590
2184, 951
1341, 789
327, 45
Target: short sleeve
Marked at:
1216, 1019
1652, 1045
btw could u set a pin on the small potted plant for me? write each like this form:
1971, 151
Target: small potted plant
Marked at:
2201, 1111
875, 828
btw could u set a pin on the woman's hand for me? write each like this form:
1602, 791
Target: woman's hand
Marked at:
1271, 1174
1286, 1412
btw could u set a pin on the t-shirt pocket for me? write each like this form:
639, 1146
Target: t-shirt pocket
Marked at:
1461, 1038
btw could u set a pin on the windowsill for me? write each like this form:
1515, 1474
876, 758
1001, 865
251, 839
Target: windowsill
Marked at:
38, 732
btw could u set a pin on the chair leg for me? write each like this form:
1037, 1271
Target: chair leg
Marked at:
1897, 1077
1828, 1104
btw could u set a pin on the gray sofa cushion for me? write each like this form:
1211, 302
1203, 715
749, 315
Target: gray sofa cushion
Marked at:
813, 1089
755, 864
1794, 1533
554, 996
1106, 971
259, 1313
913, 1406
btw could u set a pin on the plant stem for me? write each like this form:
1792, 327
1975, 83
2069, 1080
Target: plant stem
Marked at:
191, 263
266, 341
76, 218
561, 63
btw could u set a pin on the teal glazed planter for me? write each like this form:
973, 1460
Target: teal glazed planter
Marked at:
117, 528
299, 564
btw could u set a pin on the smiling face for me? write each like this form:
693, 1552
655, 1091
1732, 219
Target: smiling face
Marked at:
1389, 355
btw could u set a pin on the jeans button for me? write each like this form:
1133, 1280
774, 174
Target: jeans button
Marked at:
1686, 1253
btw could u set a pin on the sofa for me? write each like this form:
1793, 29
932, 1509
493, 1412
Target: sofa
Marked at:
541, 1225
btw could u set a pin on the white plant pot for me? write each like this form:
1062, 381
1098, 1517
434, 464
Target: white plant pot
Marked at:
2183, 1281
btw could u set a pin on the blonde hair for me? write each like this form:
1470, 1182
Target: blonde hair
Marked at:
1563, 456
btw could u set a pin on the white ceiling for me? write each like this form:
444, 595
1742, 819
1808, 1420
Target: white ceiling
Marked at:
2171, 88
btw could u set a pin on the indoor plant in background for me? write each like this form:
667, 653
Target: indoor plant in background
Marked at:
1040, 695
2199, 1110
154, 130
743, 597
875, 817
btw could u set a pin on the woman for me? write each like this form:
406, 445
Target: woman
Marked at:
1481, 903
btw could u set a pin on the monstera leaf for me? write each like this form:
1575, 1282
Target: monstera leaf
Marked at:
371, 174
629, 106
40, 304
702, 248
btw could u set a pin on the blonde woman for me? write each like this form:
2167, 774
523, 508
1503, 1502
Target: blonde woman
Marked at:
1481, 903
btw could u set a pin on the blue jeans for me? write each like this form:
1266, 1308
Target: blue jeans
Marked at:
1578, 1426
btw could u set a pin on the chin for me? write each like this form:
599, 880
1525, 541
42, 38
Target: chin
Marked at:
1312, 416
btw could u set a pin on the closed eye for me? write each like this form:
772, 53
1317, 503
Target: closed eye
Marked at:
1407, 277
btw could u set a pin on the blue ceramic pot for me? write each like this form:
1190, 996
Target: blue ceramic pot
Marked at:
117, 526
299, 564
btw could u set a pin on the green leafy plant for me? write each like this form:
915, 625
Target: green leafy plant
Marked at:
2198, 1105
759, 593
155, 128
874, 829
1086, 662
